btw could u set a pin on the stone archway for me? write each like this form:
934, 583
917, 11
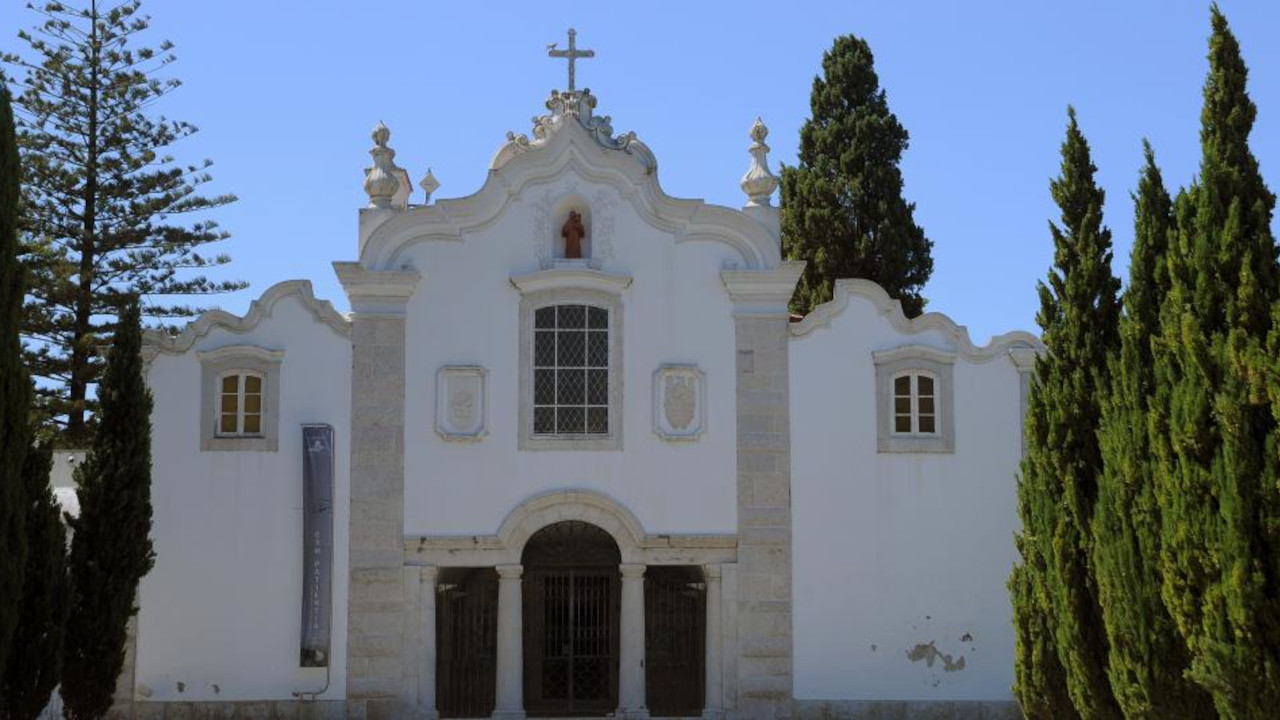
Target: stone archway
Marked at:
571, 620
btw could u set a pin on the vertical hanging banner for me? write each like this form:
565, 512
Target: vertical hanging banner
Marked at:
317, 543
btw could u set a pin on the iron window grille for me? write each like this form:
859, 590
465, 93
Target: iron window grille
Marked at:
571, 371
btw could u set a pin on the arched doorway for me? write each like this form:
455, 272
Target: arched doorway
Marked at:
571, 614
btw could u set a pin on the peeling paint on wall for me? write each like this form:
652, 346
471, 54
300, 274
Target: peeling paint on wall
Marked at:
929, 654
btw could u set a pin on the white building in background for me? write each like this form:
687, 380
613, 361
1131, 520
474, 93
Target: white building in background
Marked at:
581, 463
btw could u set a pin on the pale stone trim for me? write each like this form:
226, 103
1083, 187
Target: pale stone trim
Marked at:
509, 703
443, 426
762, 292
764, 683
918, 358
631, 678
957, 335
507, 544
575, 278
1025, 360
376, 292
247, 358
426, 623
713, 692
906, 709
530, 302
159, 341
698, 426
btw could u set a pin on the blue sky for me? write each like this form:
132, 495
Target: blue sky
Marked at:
285, 94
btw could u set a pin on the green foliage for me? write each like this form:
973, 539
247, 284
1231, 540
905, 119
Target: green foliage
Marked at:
1148, 657
15, 392
1218, 395
1078, 314
111, 546
842, 206
108, 212
36, 661
1040, 683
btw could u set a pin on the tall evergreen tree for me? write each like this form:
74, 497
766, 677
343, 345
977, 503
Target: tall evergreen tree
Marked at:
1218, 484
111, 546
15, 390
842, 206
109, 212
1039, 682
1078, 314
36, 660
1148, 658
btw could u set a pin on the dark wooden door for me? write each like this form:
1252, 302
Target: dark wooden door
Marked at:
675, 612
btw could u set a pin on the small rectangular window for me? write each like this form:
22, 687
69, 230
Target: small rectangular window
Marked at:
914, 404
240, 404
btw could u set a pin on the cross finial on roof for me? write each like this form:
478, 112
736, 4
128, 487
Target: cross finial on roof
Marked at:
572, 54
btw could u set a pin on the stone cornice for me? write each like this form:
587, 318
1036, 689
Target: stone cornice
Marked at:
376, 292
157, 342
506, 544
926, 352
1025, 358
955, 334
577, 278
762, 292
242, 351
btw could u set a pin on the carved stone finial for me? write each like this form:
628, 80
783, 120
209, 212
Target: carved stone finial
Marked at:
759, 183
430, 184
382, 181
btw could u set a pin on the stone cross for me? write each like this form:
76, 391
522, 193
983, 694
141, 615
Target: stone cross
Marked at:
572, 54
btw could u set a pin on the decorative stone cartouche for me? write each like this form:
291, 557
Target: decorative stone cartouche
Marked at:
382, 181
759, 183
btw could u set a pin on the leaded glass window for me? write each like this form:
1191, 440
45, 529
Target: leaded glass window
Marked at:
571, 370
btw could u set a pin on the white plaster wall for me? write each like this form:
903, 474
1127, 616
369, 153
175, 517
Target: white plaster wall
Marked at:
894, 552
221, 611
466, 311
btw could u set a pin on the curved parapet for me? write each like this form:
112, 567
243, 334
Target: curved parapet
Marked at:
259, 310
956, 334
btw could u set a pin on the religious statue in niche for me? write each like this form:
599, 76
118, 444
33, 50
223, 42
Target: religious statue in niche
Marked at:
573, 232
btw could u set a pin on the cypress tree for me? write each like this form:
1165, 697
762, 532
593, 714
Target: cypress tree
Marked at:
109, 211
1148, 657
111, 545
1039, 682
842, 206
36, 661
1078, 314
14, 387
1217, 476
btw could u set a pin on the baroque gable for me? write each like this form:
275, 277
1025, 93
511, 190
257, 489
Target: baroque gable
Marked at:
571, 148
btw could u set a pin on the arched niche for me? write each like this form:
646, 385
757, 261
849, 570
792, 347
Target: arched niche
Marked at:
572, 202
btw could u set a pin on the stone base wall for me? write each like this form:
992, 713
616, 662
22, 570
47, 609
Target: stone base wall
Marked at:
245, 710
907, 710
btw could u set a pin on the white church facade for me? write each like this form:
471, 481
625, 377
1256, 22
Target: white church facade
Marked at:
569, 455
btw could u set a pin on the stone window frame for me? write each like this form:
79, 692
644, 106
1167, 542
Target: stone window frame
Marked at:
893, 363
530, 302
214, 365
